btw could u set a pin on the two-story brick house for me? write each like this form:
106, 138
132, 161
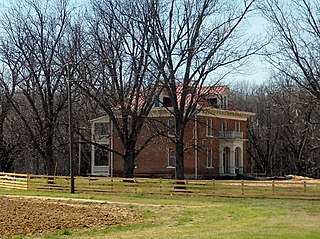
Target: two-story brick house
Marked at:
215, 142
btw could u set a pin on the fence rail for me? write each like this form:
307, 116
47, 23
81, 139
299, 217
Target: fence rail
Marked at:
13, 181
309, 189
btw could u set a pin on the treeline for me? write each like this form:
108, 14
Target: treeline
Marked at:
284, 134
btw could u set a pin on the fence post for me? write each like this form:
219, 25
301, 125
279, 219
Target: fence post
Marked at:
214, 187
187, 186
27, 182
135, 186
160, 186
111, 184
273, 187
305, 186
242, 187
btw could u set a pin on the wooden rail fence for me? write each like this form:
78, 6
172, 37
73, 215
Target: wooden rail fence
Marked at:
13, 181
308, 189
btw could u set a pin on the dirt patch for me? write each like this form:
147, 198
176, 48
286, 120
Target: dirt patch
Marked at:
34, 217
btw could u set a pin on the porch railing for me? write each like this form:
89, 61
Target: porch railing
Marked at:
230, 135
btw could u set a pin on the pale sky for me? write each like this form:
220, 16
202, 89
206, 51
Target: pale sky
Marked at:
257, 70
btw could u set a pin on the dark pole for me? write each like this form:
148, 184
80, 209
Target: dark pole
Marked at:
70, 135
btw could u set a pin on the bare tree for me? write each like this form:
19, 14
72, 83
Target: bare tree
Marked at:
120, 75
283, 135
193, 40
296, 40
32, 33
294, 54
7, 90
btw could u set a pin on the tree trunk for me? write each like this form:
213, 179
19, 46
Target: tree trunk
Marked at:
180, 159
5, 163
49, 161
2, 147
49, 157
128, 167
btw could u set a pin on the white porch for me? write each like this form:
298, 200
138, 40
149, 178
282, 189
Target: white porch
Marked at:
101, 158
231, 158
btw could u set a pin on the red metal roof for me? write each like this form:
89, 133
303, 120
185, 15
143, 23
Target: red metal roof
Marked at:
204, 92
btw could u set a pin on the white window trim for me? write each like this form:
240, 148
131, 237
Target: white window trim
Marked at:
237, 126
224, 102
102, 150
209, 153
209, 129
168, 158
224, 126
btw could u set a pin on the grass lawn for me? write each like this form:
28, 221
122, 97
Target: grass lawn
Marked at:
204, 217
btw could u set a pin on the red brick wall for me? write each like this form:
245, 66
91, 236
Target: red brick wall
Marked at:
152, 161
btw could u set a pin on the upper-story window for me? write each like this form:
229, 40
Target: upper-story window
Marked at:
101, 132
167, 102
237, 126
170, 127
224, 102
209, 129
157, 103
224, 125
101, 157
212, 101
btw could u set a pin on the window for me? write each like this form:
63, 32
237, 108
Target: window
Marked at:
209, 158
170, 127
157, 104
167, 102
237, 127
224, 102
101, 157
101, 128
212, 102
209, 130
224, 126
101, 132
171, 158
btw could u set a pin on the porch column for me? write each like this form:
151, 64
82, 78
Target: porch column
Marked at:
92, 148
221, 166
232, 161
112, 147
241, 162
